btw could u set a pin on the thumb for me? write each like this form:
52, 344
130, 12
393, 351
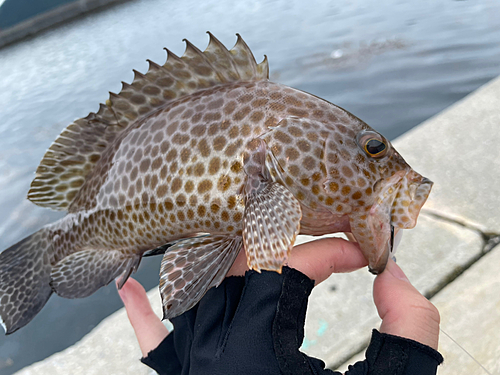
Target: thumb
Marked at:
403, 310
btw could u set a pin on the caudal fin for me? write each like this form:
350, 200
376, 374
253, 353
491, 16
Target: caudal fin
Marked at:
24, 280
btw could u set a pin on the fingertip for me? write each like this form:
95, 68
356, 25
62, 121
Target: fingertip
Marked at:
396, 271
122, 292
130, 286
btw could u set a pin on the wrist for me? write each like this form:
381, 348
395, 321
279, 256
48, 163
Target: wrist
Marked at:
398, 355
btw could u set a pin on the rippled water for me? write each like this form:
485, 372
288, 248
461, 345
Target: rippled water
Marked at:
393, 63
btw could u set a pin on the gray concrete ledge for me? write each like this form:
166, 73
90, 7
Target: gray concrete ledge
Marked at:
443, 256
52, 18
459, 150
111, 348
470, 315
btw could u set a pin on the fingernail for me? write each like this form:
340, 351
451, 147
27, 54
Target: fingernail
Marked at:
396, 271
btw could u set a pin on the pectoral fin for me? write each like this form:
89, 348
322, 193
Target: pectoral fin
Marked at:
272, 215
191, 267
270, 225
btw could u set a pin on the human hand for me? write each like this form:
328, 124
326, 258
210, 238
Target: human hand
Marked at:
403, 310
316, 259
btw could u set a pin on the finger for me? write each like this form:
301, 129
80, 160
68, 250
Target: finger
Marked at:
239, 266
148, 328
316, 259
403, 310
319, 259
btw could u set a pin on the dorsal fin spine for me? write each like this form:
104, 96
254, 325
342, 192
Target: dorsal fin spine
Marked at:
153, 65
190, 45
264, 65
224, 50
138, 75
240, 41
203, 56
171, 55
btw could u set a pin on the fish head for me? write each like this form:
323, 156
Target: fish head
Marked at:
392, 200
369, 182
347, 178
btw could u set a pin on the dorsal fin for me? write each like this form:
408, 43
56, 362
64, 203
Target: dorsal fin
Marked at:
74, 153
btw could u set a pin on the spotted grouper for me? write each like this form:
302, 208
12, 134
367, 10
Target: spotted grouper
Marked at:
197, 159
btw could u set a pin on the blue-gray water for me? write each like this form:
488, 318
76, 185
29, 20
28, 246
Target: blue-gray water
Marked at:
393, 63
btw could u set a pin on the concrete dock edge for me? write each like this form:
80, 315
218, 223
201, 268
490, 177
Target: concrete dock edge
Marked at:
52, 18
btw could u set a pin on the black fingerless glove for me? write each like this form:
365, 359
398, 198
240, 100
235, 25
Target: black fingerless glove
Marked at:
255, 325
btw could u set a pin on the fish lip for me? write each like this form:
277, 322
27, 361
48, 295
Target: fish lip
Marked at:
382, 262
380, 213
384, 257
380, 267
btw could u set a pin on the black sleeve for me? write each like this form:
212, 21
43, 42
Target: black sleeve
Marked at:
255, 325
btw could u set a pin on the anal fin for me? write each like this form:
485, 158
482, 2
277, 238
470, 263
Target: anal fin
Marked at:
81, 274
191, 267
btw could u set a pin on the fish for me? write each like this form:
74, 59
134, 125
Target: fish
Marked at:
196, 160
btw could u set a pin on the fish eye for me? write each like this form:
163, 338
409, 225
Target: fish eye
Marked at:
374, 147
373, 144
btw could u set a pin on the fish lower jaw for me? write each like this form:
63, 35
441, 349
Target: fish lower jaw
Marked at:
374, 271
377, 266
380, 265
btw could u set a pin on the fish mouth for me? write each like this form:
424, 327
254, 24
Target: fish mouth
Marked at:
397, 208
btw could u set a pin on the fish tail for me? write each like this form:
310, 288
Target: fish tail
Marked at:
25, 280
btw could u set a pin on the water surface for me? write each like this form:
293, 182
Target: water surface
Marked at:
393, 63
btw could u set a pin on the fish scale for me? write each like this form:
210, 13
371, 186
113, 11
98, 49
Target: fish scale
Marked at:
196, 159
